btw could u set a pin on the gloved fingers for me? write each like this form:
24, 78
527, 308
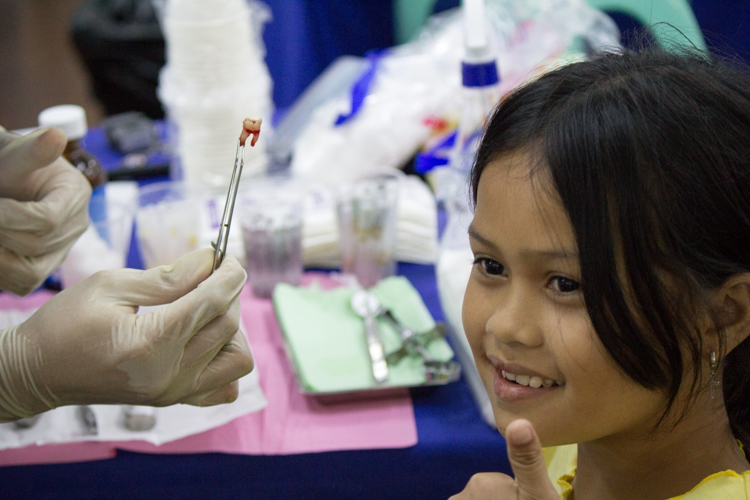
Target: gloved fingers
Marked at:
21, 155
211, 298
227, 394
205, 344
55, 220
33, 242
21, 275
158, 285
231, 363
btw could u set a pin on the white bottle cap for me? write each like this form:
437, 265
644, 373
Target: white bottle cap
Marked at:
69, 118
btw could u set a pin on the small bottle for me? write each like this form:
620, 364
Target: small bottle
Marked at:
71, 119
480, 85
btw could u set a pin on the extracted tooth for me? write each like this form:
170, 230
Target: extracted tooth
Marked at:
509, 376
557, 382
535, 382
522, 379
548, 382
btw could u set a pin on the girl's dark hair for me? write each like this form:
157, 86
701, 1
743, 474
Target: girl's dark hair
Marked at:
650, 154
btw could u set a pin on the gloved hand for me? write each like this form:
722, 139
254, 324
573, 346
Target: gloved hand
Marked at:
87, 345
43, 207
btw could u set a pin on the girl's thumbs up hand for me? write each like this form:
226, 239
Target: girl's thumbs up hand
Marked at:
527, 460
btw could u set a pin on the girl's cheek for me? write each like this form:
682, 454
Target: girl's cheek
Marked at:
478, 308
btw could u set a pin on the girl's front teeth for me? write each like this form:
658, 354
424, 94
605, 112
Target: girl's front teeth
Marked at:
527, 381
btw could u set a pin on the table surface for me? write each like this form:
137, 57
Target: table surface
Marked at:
454, 443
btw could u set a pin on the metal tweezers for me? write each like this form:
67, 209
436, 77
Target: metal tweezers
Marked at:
220, 247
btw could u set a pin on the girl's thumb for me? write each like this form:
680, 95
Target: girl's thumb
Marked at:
527, 460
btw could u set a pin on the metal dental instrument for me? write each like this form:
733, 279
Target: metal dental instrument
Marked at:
366, 305
220, 247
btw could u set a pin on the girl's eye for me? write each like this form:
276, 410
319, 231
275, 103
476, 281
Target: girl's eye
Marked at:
489, 266
564, 285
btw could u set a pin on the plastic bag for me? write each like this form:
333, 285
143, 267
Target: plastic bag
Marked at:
414, 90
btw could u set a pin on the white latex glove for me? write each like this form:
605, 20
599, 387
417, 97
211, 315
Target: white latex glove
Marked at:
43, 207
87, 345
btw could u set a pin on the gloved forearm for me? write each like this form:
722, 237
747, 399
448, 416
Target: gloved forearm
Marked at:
20, 397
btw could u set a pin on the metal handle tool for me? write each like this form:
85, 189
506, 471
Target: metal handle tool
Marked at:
375, 347
366, 305
220, 247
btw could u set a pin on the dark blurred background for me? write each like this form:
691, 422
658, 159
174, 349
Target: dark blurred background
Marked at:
105, 54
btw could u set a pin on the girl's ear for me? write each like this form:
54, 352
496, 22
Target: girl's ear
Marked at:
732, 309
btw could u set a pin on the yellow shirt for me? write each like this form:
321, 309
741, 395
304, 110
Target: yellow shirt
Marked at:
562, 462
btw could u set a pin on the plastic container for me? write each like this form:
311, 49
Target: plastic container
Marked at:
272, 233
367, 216
71, 119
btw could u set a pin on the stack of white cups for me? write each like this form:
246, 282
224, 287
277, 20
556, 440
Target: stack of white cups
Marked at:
215, 77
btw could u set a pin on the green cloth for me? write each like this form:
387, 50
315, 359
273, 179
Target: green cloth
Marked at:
327, 338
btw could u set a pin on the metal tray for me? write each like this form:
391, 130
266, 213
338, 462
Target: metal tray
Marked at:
375, 392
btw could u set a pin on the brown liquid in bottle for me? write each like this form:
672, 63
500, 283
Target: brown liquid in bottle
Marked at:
85, 163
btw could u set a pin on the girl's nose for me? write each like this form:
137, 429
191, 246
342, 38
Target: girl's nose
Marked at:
516, 320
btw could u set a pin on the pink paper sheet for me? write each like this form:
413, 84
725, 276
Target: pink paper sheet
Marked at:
291, 423
57, 453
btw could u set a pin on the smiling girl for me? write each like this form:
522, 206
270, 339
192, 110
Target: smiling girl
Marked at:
609, 302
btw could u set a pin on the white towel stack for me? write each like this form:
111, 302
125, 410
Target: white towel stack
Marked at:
215, 77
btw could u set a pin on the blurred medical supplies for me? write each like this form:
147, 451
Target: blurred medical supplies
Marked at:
71, 119
416, 224
136, 167
138, 418
106, 242
334, 81
272, 234
214, 77
367, 306
480, 86
249, 128
391, 110
174, 218
168, 222
71, 423
87, 416
131, 132
367, 213
412, 345
327, 346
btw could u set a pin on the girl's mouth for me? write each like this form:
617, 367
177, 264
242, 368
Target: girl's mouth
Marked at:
511, 387
525, 380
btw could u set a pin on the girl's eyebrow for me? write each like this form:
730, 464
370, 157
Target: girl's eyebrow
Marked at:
481, 239
550, 254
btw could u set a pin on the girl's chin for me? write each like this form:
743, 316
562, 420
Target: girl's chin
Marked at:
547, 431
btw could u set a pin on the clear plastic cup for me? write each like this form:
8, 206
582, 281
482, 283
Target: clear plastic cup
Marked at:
367, 215
272, 233
168, 222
